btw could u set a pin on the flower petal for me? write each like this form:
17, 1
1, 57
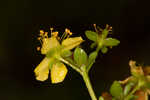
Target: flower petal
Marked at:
70, 43
58, 72
42, 70
48, 44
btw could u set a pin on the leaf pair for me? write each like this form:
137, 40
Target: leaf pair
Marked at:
81, 58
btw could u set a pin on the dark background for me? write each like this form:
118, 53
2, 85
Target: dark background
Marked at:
21, 21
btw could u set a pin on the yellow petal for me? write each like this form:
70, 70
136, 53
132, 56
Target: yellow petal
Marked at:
42, 70
58, 72
48, 44
70, 43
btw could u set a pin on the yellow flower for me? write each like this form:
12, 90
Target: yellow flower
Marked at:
49, 46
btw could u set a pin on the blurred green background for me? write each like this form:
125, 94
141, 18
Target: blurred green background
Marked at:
21, 21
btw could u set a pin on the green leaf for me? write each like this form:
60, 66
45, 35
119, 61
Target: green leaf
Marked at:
91, 35
111, 42
80, 56
128, 88
116, 89
91, 59
104, 50
101, 98
66, 53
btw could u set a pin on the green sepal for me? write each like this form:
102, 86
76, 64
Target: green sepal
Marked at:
116, 89
53, 61
111, 42
104, 33
104, 50
53, 51
80, 56
91, 35
93, 45
66, 53
70, 60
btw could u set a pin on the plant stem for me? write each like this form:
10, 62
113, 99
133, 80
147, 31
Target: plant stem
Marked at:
71, 65
146, 96
88, 83
132, 92
85, 76
97, 50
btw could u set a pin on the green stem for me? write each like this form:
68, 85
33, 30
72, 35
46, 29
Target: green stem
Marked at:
85, 76
97, 50
71, 65
132, 92
88, 83
146, 96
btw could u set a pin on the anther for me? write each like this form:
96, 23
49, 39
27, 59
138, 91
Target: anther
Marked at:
67, 30
41, 32
38, 48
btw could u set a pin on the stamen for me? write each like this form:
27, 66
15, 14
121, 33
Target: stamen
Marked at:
95, 28
46, 34
41, 32
55, 34
67, 30
38, 48
70, 33
107, 26
39, 38
110, 28
67, 33
51, 29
